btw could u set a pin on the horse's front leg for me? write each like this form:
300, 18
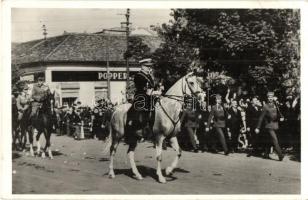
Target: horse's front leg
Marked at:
176, 147
30, 132
23, 139
47, 148
131, 155
159, 146
38, 144
48, 144
113, 149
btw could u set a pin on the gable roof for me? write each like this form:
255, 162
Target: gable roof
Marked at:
77, 47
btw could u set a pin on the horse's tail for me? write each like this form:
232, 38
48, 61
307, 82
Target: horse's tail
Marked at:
109, 136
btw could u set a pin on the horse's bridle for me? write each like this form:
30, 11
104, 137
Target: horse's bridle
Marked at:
178, 98
181, 98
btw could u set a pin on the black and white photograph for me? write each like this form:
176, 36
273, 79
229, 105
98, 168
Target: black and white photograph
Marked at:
155, 101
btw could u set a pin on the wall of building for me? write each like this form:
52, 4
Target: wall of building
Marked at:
87, 85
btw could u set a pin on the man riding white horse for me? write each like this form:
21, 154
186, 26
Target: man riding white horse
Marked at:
138, 117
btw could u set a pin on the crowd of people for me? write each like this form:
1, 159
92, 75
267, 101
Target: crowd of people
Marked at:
242, 125
231, 122
84, 122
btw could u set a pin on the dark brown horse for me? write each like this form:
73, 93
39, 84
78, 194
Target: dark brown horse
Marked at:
42, 122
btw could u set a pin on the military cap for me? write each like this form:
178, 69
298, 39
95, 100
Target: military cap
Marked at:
218, 96
270, 94
41, 78
146, 62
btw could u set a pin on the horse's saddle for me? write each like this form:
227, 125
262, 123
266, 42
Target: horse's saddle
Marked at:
140, 122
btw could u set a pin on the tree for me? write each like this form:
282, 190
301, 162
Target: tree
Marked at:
258, 46
137, 49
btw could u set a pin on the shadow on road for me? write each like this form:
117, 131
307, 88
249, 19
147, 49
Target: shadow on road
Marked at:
148, 172
144, 171
15, 155
181, 170
103, 159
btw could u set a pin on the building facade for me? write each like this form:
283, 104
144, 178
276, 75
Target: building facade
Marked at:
77, 66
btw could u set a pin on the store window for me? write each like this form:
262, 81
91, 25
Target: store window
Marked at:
100, 93
69, 93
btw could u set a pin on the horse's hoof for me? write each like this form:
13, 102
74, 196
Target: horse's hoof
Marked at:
168, 171
139, 177
162, 180
111, 176
51, 157
43, 155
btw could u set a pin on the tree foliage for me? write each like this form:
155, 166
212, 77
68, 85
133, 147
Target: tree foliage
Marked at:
256, 46
137, 49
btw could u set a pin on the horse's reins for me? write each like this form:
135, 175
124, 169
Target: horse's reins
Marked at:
174, 123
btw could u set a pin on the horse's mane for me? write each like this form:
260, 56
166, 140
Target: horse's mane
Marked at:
175, 88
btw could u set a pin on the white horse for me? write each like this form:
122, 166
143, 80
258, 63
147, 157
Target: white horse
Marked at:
167, 124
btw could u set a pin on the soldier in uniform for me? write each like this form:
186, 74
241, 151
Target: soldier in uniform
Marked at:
22, 101
39, 92
138, 115
190, 122
270, 115
219, 114
97, 119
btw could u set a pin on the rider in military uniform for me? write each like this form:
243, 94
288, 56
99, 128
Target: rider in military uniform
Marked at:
39, 93
22, 101
139, 114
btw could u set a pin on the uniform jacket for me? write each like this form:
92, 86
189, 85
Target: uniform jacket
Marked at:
270, 115
252, 116
22, 103
190, 118
219, 114
142, 102
38, 93
143, 82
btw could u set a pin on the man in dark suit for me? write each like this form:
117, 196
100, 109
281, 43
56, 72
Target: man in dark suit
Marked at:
234, 124
270, 115
253, 113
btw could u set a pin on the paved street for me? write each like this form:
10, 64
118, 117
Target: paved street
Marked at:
80, 167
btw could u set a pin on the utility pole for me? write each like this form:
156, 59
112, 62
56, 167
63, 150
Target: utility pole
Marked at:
127, 15
127, 31
107, 67
44, 32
